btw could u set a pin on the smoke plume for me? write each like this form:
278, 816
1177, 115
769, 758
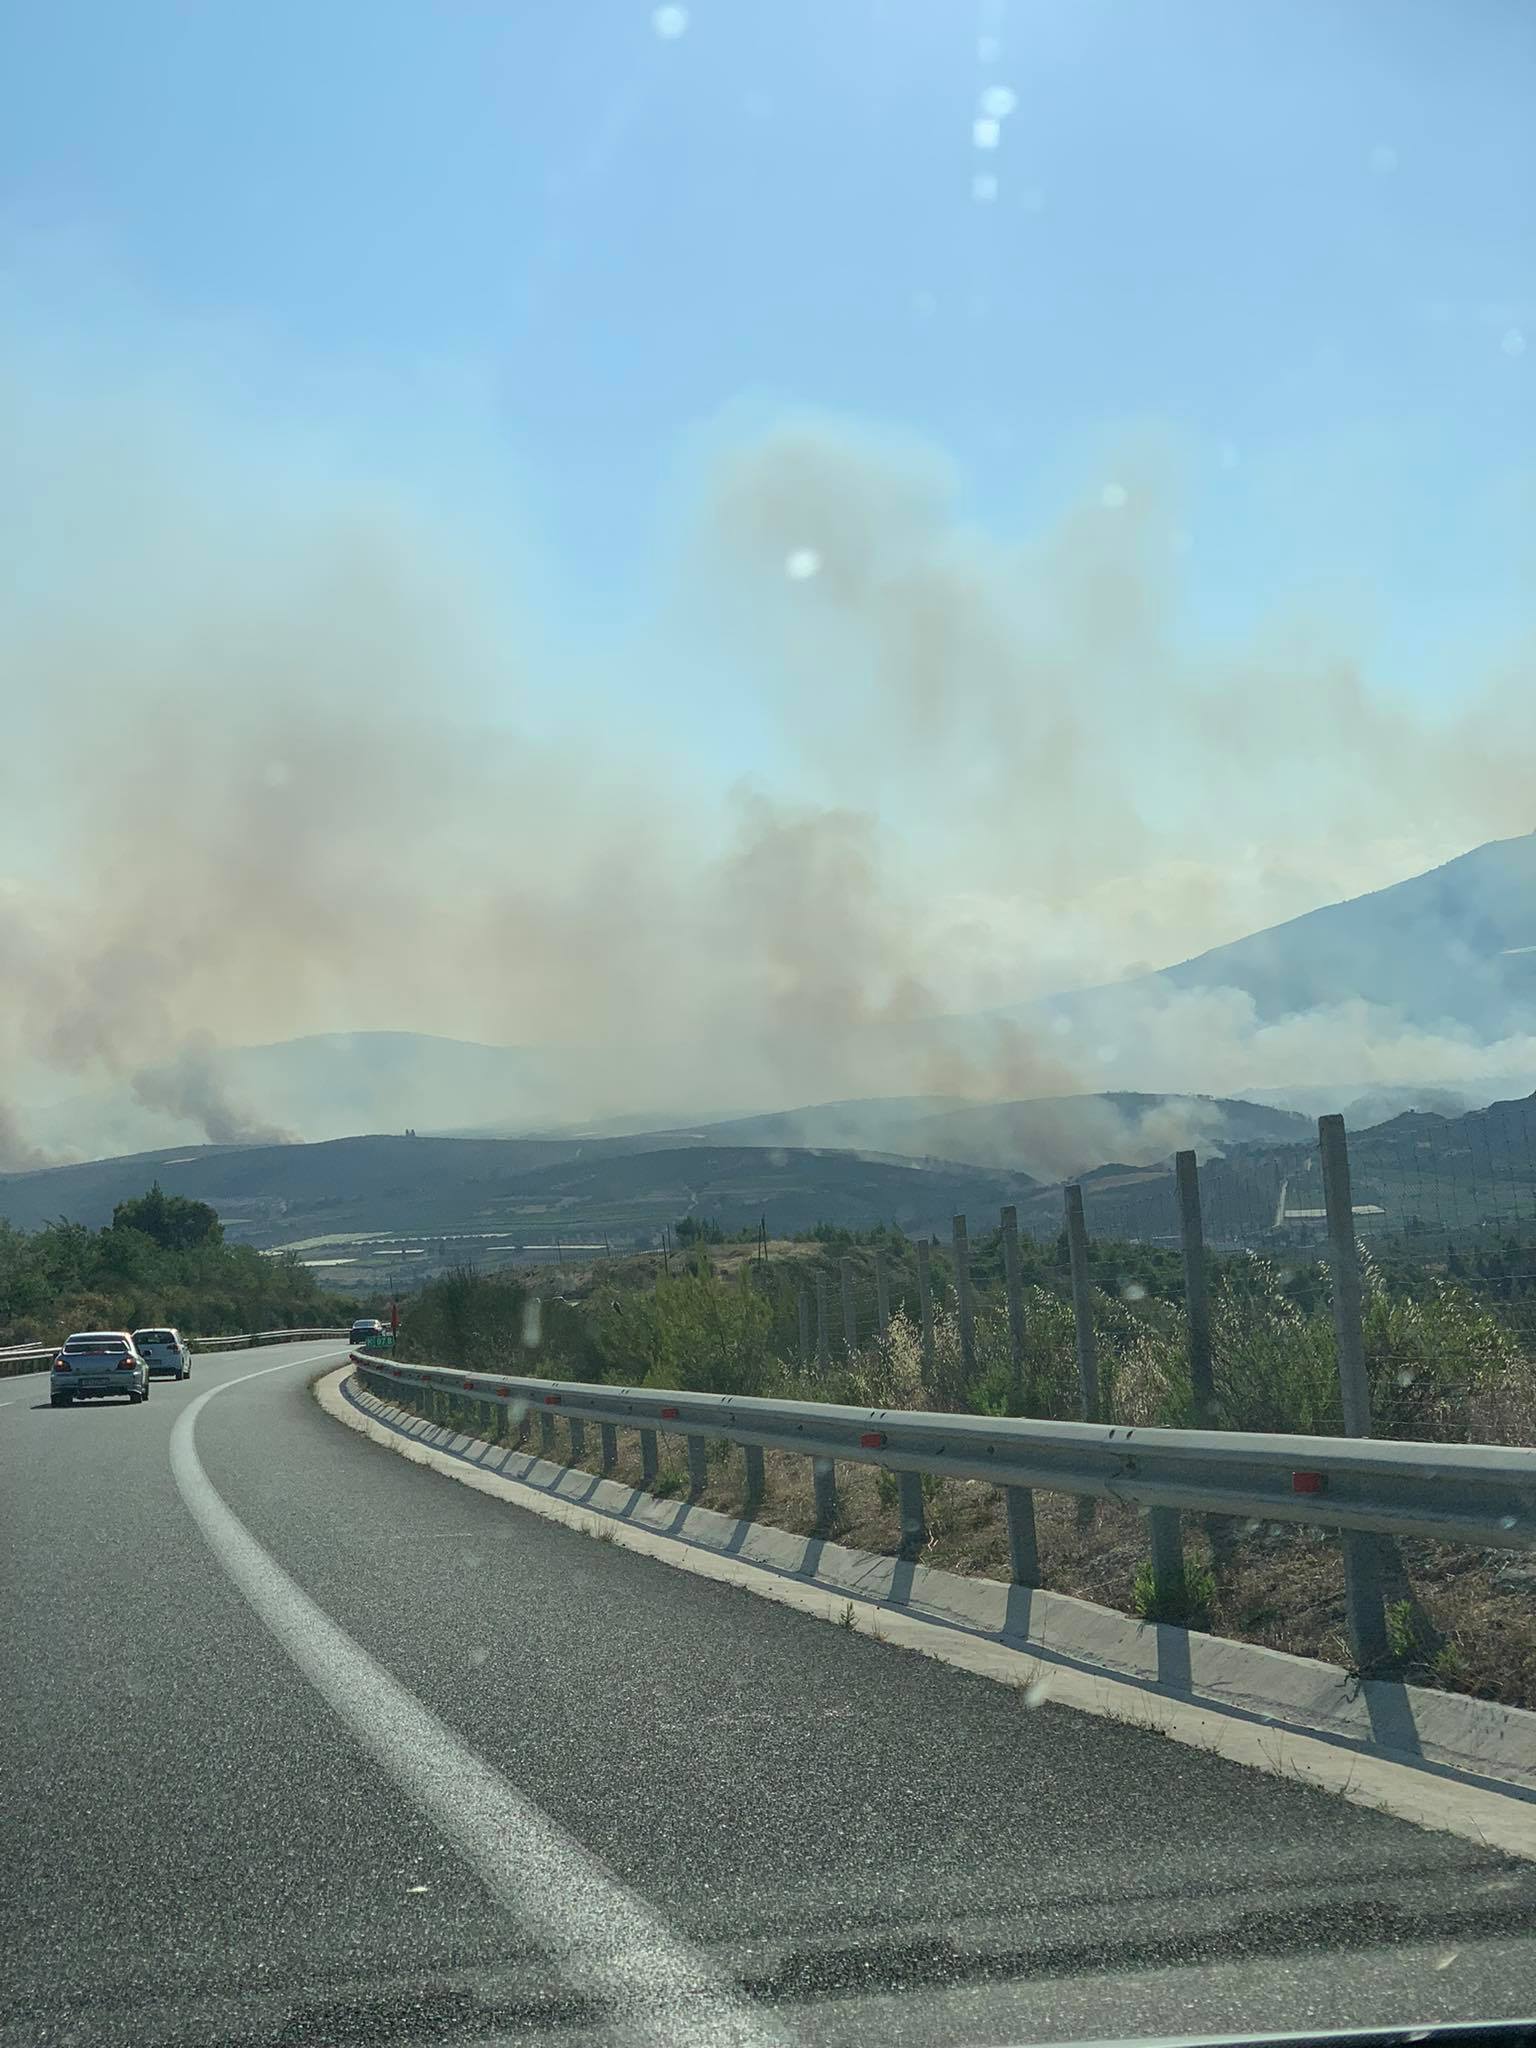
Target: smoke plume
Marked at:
275, 771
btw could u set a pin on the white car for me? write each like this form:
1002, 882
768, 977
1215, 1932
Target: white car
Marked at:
97, 1363
165, 1351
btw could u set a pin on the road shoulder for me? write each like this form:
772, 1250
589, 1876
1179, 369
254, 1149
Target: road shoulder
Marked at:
1242, 1703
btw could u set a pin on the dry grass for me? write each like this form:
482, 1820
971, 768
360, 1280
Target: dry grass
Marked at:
1278, 1584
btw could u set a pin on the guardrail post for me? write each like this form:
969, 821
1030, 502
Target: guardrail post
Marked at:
805, 1327
823, 1340
698, 1464
850, 1311
578, 1439
609, 1437
964, 1300
882, 1294
1368, 1558
1167, 1540
546, 1432
824, 1481
914, 1521
1013, 1280
1197, 1301
925, 1303
753, 1453
1023, 1544
1082, 1304
648, 1459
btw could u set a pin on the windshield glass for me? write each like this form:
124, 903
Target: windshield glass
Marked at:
826, 1029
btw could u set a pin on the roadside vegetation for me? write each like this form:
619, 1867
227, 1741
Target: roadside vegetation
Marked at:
1449, 1354
1449, 1361
162, 1259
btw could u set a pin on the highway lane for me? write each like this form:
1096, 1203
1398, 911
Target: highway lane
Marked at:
198, 1847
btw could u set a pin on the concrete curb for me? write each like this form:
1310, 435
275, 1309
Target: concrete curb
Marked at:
1442, 1759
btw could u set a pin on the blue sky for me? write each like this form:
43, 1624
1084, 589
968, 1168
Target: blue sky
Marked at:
533, 250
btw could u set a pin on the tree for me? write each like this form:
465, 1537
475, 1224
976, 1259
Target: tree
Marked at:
175, 1223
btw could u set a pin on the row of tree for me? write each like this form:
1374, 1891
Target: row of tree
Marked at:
162, 1259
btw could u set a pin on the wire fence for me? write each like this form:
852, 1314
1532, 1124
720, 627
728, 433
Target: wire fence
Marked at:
1443, 1212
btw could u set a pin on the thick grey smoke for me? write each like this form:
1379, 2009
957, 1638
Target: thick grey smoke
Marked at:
17, 1153
284, 757
190, 1089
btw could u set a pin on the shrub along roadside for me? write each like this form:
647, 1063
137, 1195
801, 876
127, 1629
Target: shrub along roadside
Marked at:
68, 1277
1442, 1365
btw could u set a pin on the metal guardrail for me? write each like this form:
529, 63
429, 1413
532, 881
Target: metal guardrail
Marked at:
1457, 1493
21, 1358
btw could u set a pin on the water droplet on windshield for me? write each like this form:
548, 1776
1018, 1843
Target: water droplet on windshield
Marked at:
1037, 1694
1114, 497
669, 22
1513, 342
479, 1656
984, 188
988, 49
999, 101
986, 133
1133, 1291
1506, 1521
801, 564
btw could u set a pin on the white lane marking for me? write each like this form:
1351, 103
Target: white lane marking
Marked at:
605, 1939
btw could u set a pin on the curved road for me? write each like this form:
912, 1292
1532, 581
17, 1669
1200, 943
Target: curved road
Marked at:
306, 1744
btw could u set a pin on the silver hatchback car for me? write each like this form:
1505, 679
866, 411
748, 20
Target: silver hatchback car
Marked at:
95, 1364
165, 1351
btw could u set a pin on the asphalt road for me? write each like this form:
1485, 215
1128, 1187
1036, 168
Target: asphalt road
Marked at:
306, 1744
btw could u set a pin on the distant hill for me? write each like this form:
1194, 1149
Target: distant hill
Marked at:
333, 1085
517, 1189
1045, 1138
1454, 948
1452, 952
1445, 1177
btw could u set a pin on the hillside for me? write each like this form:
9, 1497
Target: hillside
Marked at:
512, 1190
1457, 1177
327, 1086
1451, 949
1046, 1138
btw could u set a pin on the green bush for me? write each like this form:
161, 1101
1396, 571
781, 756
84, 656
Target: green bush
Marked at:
67, 1277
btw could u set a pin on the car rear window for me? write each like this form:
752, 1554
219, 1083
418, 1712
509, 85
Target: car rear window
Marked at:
154, 1336
96, 1347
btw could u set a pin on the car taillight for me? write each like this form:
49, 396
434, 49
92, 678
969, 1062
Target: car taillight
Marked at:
126, 1364
61, 1363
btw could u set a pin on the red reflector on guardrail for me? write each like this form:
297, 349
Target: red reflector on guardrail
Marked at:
1308, 1482
503, 1393
668, 1414
468, 1386
871, 1441
551, 1400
